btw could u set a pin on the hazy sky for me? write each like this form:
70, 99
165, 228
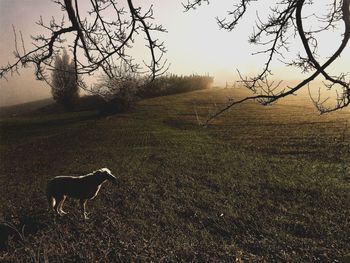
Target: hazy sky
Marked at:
194, 42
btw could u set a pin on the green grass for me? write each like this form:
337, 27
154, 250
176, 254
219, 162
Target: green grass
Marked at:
259, 184
37, 128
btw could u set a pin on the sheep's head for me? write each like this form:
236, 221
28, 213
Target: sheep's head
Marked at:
106, 174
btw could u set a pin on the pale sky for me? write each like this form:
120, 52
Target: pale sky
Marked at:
194, 43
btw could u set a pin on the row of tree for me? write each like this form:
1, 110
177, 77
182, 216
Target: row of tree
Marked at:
121, 90
173, 84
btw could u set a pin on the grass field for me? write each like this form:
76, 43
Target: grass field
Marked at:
259, 184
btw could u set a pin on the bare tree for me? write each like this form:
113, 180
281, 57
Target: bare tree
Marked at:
286, 20
97, 43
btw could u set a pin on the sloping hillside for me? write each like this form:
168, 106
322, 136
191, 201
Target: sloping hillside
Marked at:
258, 184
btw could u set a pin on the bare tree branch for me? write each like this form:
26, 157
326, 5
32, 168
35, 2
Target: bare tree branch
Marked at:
273, 36
98, 43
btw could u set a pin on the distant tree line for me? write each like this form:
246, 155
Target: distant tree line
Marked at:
121, 92
172, 84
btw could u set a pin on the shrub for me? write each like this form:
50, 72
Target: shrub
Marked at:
120, 91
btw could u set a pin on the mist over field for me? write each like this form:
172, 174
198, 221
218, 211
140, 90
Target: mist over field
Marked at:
17, 91
194, 45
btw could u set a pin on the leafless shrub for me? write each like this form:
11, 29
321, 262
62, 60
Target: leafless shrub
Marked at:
120, 91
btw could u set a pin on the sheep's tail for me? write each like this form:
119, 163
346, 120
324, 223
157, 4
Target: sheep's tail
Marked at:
52, 201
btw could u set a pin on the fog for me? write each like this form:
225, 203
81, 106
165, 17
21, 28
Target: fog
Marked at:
194, 44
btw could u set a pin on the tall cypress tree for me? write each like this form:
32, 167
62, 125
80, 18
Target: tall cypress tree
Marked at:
64, 89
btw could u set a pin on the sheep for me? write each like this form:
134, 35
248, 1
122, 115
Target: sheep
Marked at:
83, 187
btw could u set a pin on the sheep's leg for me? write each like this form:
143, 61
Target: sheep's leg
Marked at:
61, 206
57, 204
83, 208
